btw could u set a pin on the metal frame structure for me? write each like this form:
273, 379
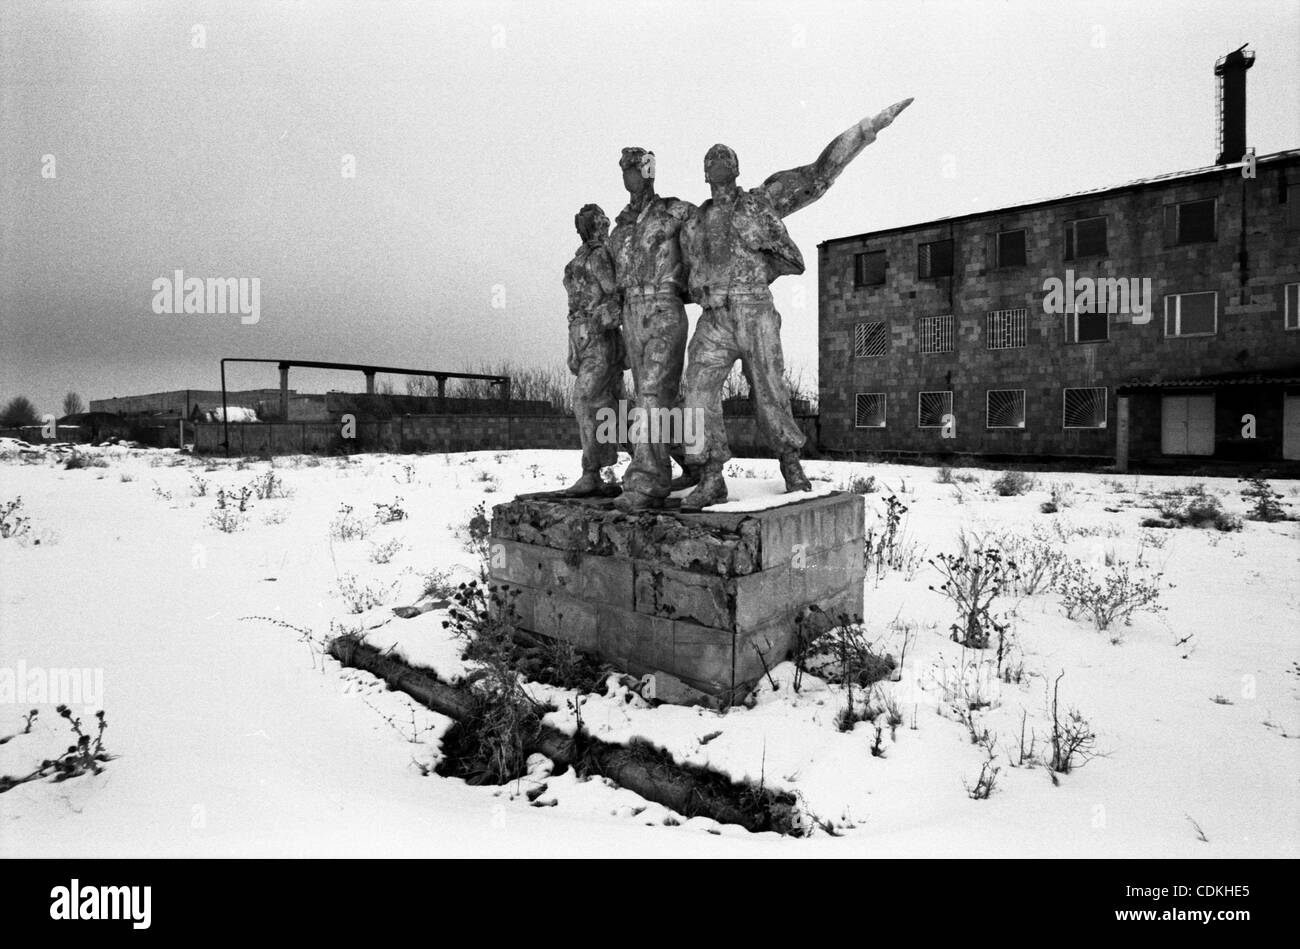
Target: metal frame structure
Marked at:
368, 370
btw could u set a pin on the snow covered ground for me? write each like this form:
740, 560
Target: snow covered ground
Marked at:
233, 736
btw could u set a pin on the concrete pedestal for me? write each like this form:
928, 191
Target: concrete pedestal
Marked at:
696, 596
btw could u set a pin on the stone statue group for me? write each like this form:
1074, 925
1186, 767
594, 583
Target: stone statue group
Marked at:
627, 294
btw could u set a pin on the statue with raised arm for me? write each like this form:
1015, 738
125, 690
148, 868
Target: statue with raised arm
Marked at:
596, 355
734, 245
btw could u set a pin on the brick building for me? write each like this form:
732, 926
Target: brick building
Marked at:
1142, 321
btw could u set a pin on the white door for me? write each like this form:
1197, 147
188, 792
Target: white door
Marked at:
1187, 425
1291, 428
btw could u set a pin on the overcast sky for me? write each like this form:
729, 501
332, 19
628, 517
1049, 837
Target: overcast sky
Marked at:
478, 129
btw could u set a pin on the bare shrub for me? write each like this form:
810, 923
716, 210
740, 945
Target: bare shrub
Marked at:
889, 547
85, 755
79, 459
1120, 593
384, 553
439, 584
359, 598
474, 538
967, 685
484, 618
1193, 507
12, 523
269, 485
1072, 737
1062, 496
984, 785
1011, 483
1062, 493
859, 484
1038, 561
972, 582
230, 513
387, 513
347, 526
835, 647
1265, 502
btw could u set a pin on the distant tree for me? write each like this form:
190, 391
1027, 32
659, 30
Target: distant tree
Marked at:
19, 411
72, 404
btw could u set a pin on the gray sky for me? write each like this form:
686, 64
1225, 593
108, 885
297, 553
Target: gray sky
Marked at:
478, 129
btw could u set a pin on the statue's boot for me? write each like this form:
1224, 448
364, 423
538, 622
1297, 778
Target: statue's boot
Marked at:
792, 471
630, 502
712, 489
689, 477
586, 486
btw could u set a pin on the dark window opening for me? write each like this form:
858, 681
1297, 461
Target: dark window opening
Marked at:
934, 260
869, 269
1190, 222
1011, 249
1085, 238
1092, 327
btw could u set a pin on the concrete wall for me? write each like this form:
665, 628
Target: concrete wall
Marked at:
389, 406
408, 433
1250, 335
310, 407
439, 433
163, 435
34, 434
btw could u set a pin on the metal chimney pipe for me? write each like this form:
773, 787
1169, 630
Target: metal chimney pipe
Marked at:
1231, 73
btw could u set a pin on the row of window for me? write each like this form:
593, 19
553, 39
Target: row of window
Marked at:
1185, 314
1083, 407
1185, 222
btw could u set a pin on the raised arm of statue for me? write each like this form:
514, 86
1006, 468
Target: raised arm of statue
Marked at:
761, 229
799, 187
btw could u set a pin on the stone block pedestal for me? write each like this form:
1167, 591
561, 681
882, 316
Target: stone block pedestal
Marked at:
707, 598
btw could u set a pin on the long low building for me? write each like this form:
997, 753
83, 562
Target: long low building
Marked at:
1154, 319
181, 403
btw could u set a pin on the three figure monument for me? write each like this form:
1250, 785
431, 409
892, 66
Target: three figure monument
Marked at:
661, 254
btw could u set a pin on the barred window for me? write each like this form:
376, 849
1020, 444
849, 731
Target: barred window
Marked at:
1007, 329
870, 339
932, 408
869, 268
1084, 407
869, 411
934, 260
935, 334
1004, 408
1292, 294
1085, 237
1192, 314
